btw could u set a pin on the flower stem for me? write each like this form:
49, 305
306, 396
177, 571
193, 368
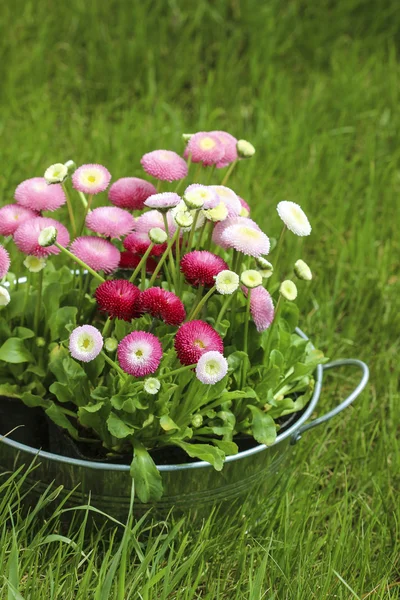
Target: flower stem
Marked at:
113, 364
143, 277
26, 297
180, 182
176, 371
107, 327
229, 172
70, 209
200, 305
88, 205
169, 249
246, 337
193, 229
163, 258
79, 262
197, 172
224, 308
142, 262
38, 303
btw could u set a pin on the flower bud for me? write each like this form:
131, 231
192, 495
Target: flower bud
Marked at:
111, 344
4, 296
157, 235
288, 290
245, 149
219, 213
152, 385
194, 198
186, 137
302, 270
71, 166
184, 219
265, 267
47, 236
56, 173
34, 264
197, 421
226, 282
251, 278
40, 342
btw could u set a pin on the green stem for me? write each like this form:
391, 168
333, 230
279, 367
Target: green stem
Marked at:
26, 297
189, 162
158, 185
142, 262
113, 364
197, 172
193, 229
79, 262
143, 277
246, 337
88, 205
163, 258
210, 174
169, 248
38, 304
83, 200
224, 308
70, 209
200, 305
201, 235
106, 328
176, 371
229, 172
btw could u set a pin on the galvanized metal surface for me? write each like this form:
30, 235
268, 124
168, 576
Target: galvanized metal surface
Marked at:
194, 487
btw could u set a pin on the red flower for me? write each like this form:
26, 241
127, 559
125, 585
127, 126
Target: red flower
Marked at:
163, 305
139, 241
200, 267
195, 338
128, 260
118, 298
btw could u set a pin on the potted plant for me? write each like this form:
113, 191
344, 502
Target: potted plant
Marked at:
150, 333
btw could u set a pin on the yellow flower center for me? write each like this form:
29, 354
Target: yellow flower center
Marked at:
91, 178
199, 344
207, 143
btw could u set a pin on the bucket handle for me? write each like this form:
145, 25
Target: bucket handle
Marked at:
350, 398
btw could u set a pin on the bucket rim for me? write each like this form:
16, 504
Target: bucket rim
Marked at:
102, 466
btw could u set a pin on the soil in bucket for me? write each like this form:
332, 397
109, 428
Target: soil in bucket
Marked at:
22, 424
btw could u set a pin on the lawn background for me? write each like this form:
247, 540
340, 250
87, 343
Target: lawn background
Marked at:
315, 87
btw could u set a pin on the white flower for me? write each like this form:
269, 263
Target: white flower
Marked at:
227, 282
152, 385
294, 218
251, 278
245, 149
47, 236
219, 213
211, 368
288, 290
200, 196
4, 296
85, 343
157, 235
184, 220
302, 270
56, 173
34, 264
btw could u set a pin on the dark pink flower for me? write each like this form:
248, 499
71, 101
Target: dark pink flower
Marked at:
4, 262
131, 192
118, 298
200, 267
140, 353
162, 304
193, 339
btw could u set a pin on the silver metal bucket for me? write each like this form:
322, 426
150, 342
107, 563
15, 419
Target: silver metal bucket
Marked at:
194, 487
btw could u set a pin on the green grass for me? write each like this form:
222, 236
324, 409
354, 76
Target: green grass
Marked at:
314, 85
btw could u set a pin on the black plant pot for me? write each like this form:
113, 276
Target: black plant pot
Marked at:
25, 425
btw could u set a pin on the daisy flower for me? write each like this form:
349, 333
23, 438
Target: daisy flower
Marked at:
200, 267
85, 343
245, 239
56, 173
163, 201
4, 262
152, 385
163, 305
211, 368
129, 260
182, 209
118, 298
261, 307
227, 282
222, 225
288, 290
26, 237
140, 353
294, 218
110, 221
138, 242
164, 165
34, 264
229, 142
99, 254
229, 198
251, 278
12, 216
219, 213
200, 196
130, 192
91, 179
195, 338
37, 195
205, 148
4, 296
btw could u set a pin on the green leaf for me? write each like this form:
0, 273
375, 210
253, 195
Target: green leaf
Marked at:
61, 391
168, 424
205, 452
9, 390
14, 351
72, 369
23, 333
51, 298
60, 319
228, 448
147, 478
118, 428
92, 408
94, 368
263, 426
56, 414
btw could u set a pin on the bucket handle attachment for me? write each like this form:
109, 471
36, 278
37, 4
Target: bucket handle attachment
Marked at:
350, 398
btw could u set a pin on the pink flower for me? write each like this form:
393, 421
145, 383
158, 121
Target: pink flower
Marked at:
4, 262
27, 234
110, 221
206, 192
261, 307
245, 239
99, 254
138, 242
12, 216
245, 207
229, 142
85, 343
211, 368
163, 201
205, 148
91, 179
195, 338
129, 260
200, 267
140, 353
130, 192
162, 304
151, 219
118, 298
37, 195
222, 225
164, 165
229, 198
